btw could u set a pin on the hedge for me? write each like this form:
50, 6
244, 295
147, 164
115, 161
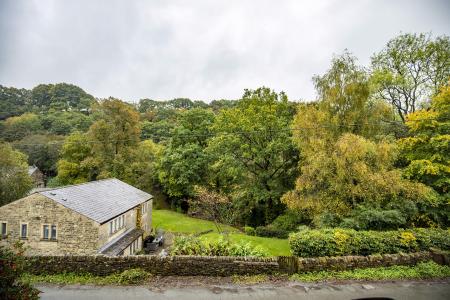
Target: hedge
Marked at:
338, 241
270, 231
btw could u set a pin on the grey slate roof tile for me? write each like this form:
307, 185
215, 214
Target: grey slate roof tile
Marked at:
99, 200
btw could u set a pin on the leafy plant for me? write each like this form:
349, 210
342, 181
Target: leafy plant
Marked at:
12, 266
339, 241
190, 245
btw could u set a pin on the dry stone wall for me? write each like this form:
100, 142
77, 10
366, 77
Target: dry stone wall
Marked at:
214, 266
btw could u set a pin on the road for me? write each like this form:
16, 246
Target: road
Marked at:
397, 291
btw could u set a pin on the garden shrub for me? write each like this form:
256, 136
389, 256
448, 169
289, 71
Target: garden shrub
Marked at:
248, 230
270, 231
340, 241
12, 266
190, 245
290, 220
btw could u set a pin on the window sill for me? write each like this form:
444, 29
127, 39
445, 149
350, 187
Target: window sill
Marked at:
49, 240
24, 238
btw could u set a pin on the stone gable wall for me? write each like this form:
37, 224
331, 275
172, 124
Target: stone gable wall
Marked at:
76, 234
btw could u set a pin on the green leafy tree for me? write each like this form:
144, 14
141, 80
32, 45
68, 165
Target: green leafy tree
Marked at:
184, 162
64, 123
355, 172
427, 154
16, 128
253, 155
14, 180
42, 150
77, 164
61, 96
143, 170
13, 101
410, 69
427, 149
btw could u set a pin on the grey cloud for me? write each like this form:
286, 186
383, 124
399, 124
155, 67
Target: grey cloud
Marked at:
197, 49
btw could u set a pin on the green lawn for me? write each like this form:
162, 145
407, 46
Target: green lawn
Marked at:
177, 222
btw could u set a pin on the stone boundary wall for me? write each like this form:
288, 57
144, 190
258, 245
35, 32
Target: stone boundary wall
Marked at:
171, 265
215, 266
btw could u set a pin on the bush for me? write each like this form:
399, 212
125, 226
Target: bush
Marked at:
12, 267
270, 231
248, 230
338, 241
190, 245
290, 220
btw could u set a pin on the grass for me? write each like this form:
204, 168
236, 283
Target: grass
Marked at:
425, 270
128, 277
177, 222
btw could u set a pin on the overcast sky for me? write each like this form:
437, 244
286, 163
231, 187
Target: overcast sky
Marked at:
206, 50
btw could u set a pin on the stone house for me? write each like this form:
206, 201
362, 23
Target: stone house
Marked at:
37, 176
101, 217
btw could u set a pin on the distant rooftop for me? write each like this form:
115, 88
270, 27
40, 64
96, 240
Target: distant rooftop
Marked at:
99, 200
32, 169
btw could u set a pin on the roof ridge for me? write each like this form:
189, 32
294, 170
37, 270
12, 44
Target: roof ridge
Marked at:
79, 184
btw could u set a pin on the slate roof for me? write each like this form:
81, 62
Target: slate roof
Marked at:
32, 169
100, 200
116, 246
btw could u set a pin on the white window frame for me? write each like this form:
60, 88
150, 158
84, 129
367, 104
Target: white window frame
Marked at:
20, 230
6, 229
50, 238
116, 224
42, 232
51, 232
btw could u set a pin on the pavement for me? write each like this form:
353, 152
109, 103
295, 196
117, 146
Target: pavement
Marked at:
325, 291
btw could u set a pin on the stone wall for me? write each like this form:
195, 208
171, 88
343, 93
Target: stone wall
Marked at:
75, 233
340, 263
214, 266
172, 265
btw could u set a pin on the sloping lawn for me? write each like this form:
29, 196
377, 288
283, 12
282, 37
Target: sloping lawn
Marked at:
177, 222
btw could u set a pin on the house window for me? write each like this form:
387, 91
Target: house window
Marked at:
144, 208
45, 232
116, 224
3, 228
49, 232
53, 232
23, 230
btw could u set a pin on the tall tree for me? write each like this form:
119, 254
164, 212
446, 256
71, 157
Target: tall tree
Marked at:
410, 69
427, 149
254, 157
184, 162
14, 180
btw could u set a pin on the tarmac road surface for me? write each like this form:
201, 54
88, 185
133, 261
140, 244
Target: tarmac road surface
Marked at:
393, 290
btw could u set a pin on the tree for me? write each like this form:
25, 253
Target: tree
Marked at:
355, 172
113, 136
427, 149
60, 97
13, 102
42, 150
410, 69
253, 156
143, 170
213, 206
77, 165
16, 128
184, 162
14, 180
